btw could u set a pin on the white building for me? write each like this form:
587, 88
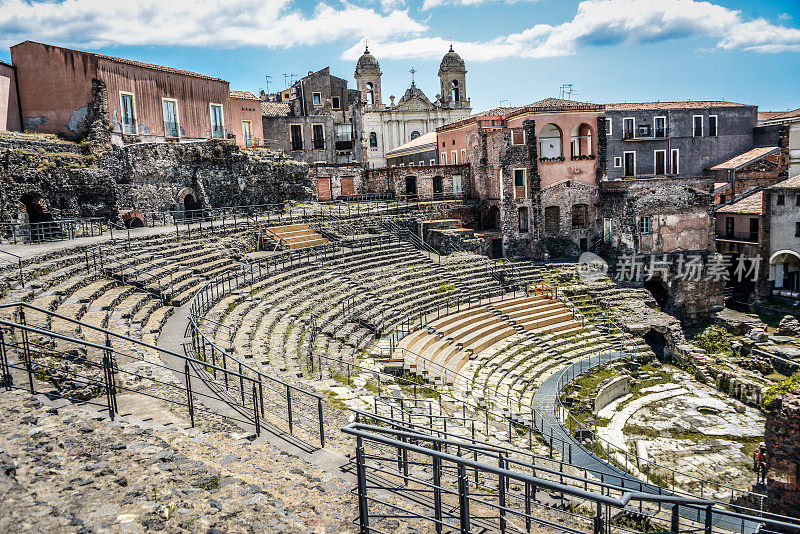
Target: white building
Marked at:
387, 127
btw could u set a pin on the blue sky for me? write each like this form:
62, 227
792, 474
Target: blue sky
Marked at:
516, 51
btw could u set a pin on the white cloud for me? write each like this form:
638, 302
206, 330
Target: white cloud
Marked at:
430, 4
608, 22
273, 23
784, 17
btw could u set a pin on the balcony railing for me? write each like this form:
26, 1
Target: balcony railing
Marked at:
750, 237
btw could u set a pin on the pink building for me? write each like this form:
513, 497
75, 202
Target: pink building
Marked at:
9, 102
145, 102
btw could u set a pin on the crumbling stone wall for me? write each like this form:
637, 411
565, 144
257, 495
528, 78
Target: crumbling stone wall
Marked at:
781, 432
334, 172
90, 179
393, 179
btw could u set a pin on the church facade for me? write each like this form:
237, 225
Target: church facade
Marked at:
388, 126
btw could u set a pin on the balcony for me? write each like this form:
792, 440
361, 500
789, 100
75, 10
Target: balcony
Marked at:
745, 237
344, 146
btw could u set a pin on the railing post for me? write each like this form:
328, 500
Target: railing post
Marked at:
502, 494
190, 401
289, 408
598, 520
363, 511
6, 369
463, 499
437, 489
26, 348
107, 379
321, 421
675, 520
255, 410
708, 521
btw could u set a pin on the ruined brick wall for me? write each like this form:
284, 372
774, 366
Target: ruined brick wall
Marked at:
680, 211
781, 433
393, 179
330, 175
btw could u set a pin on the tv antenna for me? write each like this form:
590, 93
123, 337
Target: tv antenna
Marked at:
267, 78
566, 91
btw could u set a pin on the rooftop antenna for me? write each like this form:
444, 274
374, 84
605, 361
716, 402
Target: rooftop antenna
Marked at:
292, 78
412, 71
267, 78
285, 80
366, 45
566, 91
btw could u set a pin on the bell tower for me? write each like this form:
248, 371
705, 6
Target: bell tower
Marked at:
453, 81
368, 81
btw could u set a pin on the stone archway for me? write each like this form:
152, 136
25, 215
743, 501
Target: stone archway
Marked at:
784, 271
188, 203
659, 291
656, 341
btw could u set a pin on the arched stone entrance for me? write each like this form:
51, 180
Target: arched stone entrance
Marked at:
784, 271
188, 203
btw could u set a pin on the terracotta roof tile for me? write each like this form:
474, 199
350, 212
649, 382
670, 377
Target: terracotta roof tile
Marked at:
745, 158
779, 115
275, 109
751, 204
791, 183
422, 140
244, 95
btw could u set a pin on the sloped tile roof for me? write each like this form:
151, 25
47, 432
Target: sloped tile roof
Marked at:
751, 204
745, 158
275, 109
791, 183
244, 95
422, 140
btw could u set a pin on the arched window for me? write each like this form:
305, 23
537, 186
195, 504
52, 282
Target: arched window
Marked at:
370, 93
373, 140
414, 135
550, 141
455, 90
581, 140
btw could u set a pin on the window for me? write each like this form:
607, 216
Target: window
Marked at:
438, 186
550, 141
217, 122
370, 94
433, 162
552, 217
457, 184
519, 177
697, 126
797, 199
797, 229
644, 225
629, 164
617, 162
410, 163
464, 159
712, 125
444, 158
128, 109
728, 226
169, 107
781, 200
455, 90
344, 135
660, 162
723, 199
247, 133
628, 126
318, 137
517, 137
579, 212
660, 127
336, 102
297, 137
609, 128
674, 161
316, 98
414, 135
454, 156
523, 220
754, 229
421, 163
373, 140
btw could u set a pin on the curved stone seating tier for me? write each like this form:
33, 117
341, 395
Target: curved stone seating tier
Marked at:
293, 236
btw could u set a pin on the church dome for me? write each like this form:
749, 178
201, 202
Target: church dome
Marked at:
452, 62
367, 64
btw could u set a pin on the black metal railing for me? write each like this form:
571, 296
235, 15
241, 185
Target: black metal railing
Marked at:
18, 261
436, 484
55, 230
106, 364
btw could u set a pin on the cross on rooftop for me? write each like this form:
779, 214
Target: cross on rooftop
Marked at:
412, 71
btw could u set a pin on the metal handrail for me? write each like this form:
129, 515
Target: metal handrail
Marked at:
406, 441
19, 264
